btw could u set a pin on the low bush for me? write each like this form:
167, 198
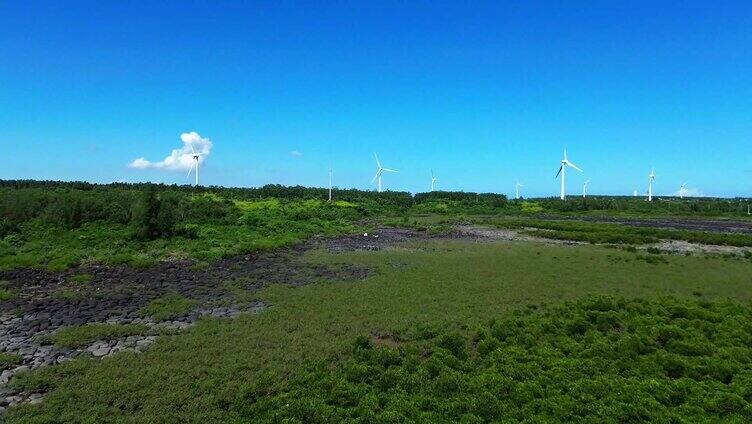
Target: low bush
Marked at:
9, 360
81, 278
168, 307
597, 360
84, 335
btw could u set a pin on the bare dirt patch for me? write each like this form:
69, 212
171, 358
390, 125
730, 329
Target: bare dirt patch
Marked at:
680, 246
385, 340
476, 233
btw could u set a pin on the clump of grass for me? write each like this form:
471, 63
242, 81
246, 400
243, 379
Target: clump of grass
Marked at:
6, 294
84, 335
634, 360
652, 259
168, 307
8, 360
81, 278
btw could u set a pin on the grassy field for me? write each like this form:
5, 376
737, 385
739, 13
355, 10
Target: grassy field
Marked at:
438, 300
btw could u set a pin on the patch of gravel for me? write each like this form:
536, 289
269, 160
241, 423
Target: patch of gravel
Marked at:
680, 246
502, 234
377, 240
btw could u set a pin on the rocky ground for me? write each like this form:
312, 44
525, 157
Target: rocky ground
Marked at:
693, 224
47, 301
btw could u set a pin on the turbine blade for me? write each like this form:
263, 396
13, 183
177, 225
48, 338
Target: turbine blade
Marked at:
189, 171
389, 170
191, 144
375, 176
560, 168
573, 166
377, 159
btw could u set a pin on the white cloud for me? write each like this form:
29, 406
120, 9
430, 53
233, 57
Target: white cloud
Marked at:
296, 153
180, 159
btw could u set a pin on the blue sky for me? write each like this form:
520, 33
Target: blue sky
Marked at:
484, 93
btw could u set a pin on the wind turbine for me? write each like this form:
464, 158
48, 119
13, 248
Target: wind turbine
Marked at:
584, 187
651, 178
433, 181
517, 190
195, 163
634, 193
330, 184
563, 171
681, 190
379, 171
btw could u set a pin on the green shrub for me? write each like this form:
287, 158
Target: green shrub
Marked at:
84, 335
6, 294
81, 278
667, 360
168, 307
154, 216
9, 360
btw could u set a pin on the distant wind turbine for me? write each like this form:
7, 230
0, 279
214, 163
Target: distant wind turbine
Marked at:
433, 181
651, 178
563, 171
681, 190
584, 187
379, 171
330, 184
634, 193
517, 190
195, 163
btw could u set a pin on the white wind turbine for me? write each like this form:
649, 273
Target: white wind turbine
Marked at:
379, 171
681, 190
651, 178
330, 184
517, 186
433, 181
563, 171
195, 163
584, 187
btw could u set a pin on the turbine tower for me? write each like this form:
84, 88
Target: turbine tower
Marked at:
330, 184
517, 190
195, 163
433, 181
379, 171
681, 190
584, 188
651, 178
563, 171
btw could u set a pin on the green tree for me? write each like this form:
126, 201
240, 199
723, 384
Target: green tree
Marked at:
153, 216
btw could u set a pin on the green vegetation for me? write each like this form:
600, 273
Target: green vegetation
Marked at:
593, 360
6, 294
59, 225
84, 335
9, 360
82, 278
168, 307
677, 333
